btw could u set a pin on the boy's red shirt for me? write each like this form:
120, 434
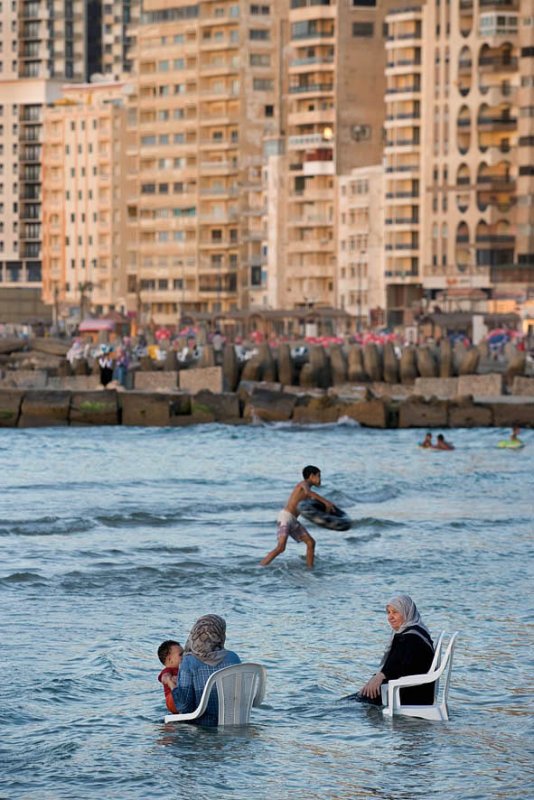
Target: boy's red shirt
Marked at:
169, 700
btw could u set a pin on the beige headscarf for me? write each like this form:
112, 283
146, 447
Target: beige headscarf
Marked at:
206, 640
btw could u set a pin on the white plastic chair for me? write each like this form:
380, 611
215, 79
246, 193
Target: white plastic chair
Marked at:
440, 669
239, 687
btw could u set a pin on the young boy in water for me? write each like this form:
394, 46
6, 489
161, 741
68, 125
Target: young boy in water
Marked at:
288, 524
170, 654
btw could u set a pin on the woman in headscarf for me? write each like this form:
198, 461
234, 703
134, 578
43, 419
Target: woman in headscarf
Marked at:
410, 652
204, 653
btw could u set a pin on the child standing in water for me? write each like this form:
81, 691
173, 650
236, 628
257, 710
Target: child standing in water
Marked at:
288, 524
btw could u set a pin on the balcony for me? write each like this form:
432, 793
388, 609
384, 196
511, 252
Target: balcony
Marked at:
499, 5
498, 123
403, 168
408, 89
318, 60
496, 182
312, 88
497, 64
313, 35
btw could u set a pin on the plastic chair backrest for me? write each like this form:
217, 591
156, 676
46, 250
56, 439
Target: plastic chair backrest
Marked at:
436, 660
239, 687
446, 666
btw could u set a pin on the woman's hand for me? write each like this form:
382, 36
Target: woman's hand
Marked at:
372, 687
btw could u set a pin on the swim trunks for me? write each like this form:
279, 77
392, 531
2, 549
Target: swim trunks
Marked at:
288, 525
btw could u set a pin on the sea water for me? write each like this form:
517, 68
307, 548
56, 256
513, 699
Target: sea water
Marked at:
114, 539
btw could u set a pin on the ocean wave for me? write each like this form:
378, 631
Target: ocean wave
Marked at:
378, 495
135, 519
376, 522
46, 526
28, 578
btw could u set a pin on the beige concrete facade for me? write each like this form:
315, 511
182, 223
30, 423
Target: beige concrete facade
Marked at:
403, 158
43, 44
360, 287
84, 200
120, 19
335, 73
459, 217
205, 98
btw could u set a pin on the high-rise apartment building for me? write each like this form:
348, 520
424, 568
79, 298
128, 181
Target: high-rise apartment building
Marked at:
119, 21
460, 121
205, 97
360, 289
403, 154
84, 200
335, 116
44, 43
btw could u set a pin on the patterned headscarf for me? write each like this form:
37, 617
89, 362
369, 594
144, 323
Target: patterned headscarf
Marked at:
206, 639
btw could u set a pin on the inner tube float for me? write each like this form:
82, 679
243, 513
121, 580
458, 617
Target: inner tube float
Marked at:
315, 511
511, 444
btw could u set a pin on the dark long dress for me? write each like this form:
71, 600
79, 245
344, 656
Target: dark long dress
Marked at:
411, 653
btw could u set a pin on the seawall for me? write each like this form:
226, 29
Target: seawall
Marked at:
260, 401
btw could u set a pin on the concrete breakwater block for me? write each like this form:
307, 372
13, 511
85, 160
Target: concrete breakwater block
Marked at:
512, 411
94, 408
372, 362
145, 408
55, 347
391, 389
270, 406
436, 387
25, 379
231, 368
338, 365
313, 410
468, 361
391, 364
523, 386
516, 366
195, 380
414, 412
426, 363
408, 365
10, 404
75, 383
286, 367
156, 381
446, 361
12, 345
369, 413
44, 408
218, 407
480, 385
463, 413
356, 370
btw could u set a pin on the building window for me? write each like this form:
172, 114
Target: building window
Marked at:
363, 30
259, 35
364, 3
